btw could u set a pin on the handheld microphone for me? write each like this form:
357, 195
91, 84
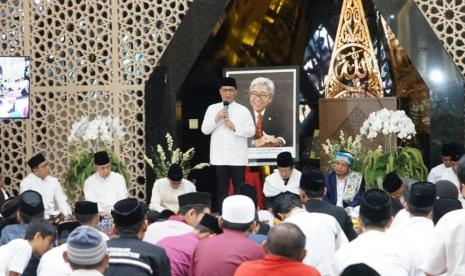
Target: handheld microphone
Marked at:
225, 107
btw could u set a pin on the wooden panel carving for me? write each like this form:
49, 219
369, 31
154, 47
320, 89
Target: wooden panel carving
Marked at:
87, 58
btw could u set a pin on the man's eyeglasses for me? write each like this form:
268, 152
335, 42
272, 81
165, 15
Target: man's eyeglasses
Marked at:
261, 96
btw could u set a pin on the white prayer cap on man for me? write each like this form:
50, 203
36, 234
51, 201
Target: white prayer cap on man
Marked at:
238, 209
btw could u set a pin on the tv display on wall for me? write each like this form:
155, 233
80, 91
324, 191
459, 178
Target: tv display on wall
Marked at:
14, 87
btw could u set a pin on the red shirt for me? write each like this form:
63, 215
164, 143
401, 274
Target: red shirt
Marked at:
222, 254
275, 266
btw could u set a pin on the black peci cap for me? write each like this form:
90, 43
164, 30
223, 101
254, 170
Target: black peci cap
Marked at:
36, 160
422, 195
101, 158
175, 172
86, 208
391, 182
195, 198
127, 212
211, 222
31, 203
285, 159
376, 205
227, 81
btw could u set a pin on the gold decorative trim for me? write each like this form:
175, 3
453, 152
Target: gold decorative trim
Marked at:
353, 70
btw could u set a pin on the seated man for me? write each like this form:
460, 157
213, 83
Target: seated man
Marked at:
436, 172
285, 250
104, 187
180, 249
86, 252
312, 190
129, 255
8, 211
15, 256
398, 190
52, 263
166, 190
284, 179
374, 247
324, 235
344, 188
416, 232
222, 254
30, 207
192, 207
451, 172
47, 186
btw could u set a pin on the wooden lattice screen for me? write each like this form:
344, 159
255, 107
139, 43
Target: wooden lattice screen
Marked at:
88, 57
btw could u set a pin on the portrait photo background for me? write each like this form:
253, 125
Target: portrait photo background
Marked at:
281, 113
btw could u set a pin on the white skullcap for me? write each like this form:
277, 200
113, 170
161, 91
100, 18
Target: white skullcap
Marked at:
238, 209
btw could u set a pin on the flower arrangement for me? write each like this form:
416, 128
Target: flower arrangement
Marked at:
347, 143
406, 161
88, 136
162, 160
100, 131
388, 122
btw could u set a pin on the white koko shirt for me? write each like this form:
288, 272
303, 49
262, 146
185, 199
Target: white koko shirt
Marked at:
449, 174
14, 256
165, 197
447, 249
228, 147
415, 235
377, 250
106, 192
274, 184
436, 173
51, 192
53, 264
324, 237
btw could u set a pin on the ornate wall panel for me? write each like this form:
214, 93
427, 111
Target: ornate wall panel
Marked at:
447, 18
145, 29
88, 57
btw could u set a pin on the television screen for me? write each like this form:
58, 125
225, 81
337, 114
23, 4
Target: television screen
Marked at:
14, 87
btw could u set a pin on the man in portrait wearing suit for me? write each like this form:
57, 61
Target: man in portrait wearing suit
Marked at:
271, 129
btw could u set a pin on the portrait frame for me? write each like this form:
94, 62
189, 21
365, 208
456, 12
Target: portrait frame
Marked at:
282, 111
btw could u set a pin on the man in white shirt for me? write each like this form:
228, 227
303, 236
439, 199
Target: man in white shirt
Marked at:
31, 207
230, 124
415, 233
15, 255
324, 235
192, 207
446, 252
166, 190
436, 172
39, 180
450, 173
398, 190
284, 179
86, 213
52, 262
104, 187
374, 247
86, 252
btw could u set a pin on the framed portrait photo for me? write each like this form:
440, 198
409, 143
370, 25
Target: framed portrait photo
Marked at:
270, 94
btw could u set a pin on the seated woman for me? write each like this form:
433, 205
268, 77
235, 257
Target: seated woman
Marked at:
344, 188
